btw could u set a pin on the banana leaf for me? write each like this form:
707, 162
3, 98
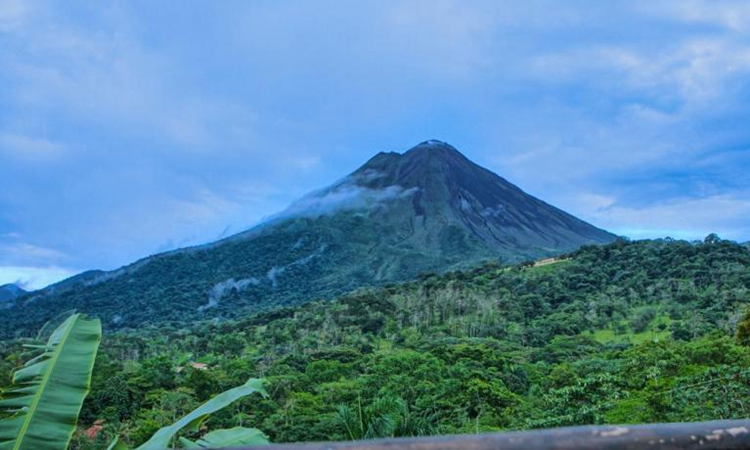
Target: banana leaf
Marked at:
49, 390
232, 437
192, 421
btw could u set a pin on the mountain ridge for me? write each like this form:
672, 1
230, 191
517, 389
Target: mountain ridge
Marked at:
429, 209
11, 291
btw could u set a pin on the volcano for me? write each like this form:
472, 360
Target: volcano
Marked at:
429, 209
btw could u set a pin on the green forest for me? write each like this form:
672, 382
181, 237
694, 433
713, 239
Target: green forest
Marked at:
630, 332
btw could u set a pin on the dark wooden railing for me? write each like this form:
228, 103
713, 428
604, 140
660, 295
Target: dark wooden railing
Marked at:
727, 435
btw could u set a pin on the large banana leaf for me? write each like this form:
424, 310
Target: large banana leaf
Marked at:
192, 421
232, 437
49, 390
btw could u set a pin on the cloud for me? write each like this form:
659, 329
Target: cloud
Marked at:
28, 147
167, 221
33, 278
105, 75
447, 36
275, 272
348, 197
12, 14
689, 218
695, 71
731, 14
219, 290
347, 194
304, 162
19, 251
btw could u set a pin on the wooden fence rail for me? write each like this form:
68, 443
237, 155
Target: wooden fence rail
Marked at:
726, 435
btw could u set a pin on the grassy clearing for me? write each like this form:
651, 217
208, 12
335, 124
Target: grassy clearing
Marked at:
657, 330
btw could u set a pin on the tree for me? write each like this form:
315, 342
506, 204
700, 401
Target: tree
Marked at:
712, 238
743, 330
387, 416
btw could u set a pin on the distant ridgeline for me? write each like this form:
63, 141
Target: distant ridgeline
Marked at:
399, 215
10, 292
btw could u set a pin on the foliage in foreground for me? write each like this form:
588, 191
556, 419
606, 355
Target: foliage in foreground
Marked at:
193, 421
48, 392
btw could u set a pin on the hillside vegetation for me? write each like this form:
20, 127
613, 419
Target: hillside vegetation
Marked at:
647, 331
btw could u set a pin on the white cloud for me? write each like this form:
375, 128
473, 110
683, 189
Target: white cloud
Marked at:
303, 162
695, 71
690, 218
33, 278
730, 14
446, 36
220, 289
347, 194
19, 251
636, 108
342, 198
595, 202
28, 147
204, 205
165, 222
105, 75
12, 14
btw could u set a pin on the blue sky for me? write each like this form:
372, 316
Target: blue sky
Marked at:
132, 127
